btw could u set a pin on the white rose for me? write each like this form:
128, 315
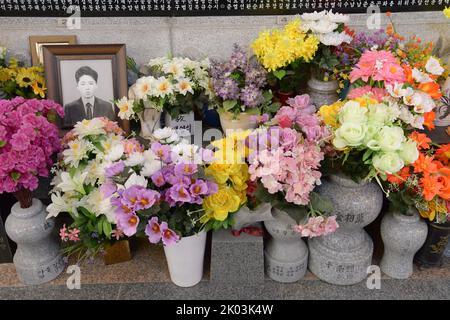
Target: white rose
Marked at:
389, 162
378, 113
434, 67
390, 138
409, 152
352, 112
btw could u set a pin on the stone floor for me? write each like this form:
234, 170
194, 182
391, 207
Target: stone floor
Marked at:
146, 277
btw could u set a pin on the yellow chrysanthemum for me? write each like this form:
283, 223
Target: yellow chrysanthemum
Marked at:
221, 204
329, 113
447, 12
13, 63
434, 207
5, 75
232, 148
25, 77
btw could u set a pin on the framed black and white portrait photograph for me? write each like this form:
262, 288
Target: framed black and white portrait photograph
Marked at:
85, 80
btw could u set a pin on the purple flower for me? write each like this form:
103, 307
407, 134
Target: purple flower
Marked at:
20, 142
108, 188
251, 96
128, 223
302, 102
130, 197
153, 230
162, 151
115, 169
207, 155
168, 236
212, 187
288, 138
260, 119
186, 169
227, 89
146, 198
158, 179
238, 58
198, 188
179, 193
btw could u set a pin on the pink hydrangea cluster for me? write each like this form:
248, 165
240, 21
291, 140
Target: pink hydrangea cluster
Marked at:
302, 113
28, 141
287, 164
378, 65
317, 226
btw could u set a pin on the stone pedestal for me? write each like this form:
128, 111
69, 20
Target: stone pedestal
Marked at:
237, 259
5, 251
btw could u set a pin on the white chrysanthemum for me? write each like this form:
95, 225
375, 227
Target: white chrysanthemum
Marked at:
313, 16
163, 87
135, 159
89, 127
335, 38
184, 86
433, 66
337, 17
323, 26
144, 87
73, 183
125, 108
135, 180
76, 152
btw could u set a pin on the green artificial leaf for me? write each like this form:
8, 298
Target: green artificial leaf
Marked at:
107, 228
320, 203
279, 74
274, 107
2, 143
268, 95
229, 104
297, 213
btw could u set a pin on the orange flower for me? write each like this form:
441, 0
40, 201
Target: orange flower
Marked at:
429, 119
430, 186
444, 183
425, 164
421, 139
443, 153
388, 13
400, 177
432, 88
408, 73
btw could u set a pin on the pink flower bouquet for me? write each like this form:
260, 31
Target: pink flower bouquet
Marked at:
285, 160
28, 140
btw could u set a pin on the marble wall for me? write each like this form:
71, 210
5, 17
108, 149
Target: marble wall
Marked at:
148, 37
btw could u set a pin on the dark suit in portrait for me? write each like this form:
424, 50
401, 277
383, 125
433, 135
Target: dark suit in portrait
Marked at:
76, 111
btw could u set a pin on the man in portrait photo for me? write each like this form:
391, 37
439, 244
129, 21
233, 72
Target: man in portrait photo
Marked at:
88, 106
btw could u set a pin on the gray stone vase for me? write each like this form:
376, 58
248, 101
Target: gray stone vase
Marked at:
322, 92
343, 257
403, 235
37, 259
286, 254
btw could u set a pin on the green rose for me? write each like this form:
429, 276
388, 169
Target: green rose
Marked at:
352, 112
389, 162
371, 139
409, 152
378, 113
350, 134
390, 138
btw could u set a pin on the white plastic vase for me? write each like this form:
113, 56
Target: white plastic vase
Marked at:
185, 260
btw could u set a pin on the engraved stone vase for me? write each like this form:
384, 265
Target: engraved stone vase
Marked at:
343, 257
286, 254
403, 235
37, 259
322, 92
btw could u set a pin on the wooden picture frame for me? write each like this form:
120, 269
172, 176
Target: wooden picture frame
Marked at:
37, 43
84, 55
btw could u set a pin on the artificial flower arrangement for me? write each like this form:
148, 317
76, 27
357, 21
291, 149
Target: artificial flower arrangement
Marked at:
446, 12
329, 28
285, 54
165, 199
175, 84
239, 85
285, 158
28, 140
385, 66
17, 80
80, 185
369, 138
425, 183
